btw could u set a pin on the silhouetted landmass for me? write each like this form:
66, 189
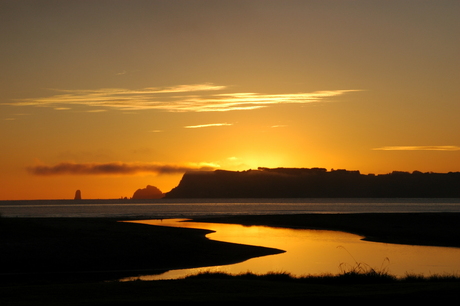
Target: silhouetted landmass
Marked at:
149, 192
315, 183
77, 195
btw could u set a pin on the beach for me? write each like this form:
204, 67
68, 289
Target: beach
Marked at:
37, 251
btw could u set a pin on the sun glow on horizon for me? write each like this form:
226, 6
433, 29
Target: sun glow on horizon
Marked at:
255, 161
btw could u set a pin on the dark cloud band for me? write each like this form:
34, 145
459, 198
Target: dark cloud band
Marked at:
115, 168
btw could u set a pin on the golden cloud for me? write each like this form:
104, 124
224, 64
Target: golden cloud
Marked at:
206, 125
182, 98
419, 148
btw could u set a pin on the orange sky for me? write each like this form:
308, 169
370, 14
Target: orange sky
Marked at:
110, 96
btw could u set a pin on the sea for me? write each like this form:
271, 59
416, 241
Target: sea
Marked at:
189, 208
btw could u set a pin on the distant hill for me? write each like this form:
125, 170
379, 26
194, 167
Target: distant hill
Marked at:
315, 183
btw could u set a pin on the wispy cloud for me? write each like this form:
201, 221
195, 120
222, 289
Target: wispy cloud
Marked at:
419, 148
182, 98
97, 111
115, 168
206, 125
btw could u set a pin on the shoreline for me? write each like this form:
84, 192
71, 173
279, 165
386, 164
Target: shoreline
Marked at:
425, 229
104, 248
75, 249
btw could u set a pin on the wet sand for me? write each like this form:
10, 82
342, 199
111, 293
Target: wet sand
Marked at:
95, 248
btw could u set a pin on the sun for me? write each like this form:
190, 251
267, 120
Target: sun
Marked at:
254, 161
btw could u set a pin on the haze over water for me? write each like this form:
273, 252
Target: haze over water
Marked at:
179, 208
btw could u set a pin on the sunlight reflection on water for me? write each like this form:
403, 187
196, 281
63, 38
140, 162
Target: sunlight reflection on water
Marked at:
310, 252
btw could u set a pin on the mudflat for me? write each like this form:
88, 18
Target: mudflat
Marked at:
102, 248
81, 248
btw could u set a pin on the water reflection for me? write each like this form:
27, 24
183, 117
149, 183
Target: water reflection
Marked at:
315, 252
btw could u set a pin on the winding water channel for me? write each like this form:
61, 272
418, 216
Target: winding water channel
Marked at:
310, 252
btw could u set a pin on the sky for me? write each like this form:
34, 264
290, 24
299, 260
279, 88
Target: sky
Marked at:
110, 96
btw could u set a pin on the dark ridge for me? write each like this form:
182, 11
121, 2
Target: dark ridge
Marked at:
315, 183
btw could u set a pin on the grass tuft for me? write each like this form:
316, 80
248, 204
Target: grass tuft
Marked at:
361, 272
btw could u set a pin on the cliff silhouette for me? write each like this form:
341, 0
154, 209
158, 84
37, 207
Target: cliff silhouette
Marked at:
315, 183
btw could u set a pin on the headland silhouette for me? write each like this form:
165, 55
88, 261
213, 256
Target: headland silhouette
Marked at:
315, 183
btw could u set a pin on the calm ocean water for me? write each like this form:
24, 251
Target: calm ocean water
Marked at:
179, 208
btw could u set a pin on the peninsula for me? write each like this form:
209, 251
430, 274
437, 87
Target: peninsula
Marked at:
315, 183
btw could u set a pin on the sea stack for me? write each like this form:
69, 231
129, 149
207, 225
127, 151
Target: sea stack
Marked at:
77, 195
149, 192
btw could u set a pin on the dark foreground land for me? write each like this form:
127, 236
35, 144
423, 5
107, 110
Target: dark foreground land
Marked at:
66, 261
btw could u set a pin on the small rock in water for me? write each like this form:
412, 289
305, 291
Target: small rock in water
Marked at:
77, 195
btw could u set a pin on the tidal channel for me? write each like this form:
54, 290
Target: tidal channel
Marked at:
315, 252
